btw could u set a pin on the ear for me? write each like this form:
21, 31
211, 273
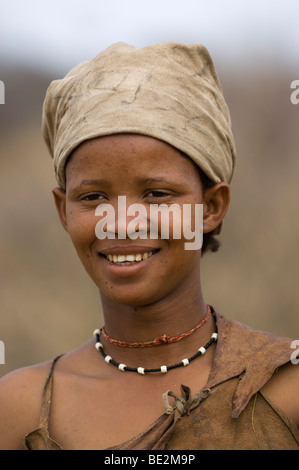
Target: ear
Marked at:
60, 203
215, 205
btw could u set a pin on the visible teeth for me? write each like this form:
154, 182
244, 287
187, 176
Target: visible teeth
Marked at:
130, 258
127, 259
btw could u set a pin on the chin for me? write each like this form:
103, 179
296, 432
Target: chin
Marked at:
128, 298
134, 296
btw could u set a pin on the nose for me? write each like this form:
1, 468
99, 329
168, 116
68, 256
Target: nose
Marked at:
132, 219
122, 220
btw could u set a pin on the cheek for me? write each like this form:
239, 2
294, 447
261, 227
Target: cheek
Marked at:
81, 228
177, 262
187, 226
176, 272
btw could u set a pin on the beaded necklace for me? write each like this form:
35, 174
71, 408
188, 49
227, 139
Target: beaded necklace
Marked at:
142, 370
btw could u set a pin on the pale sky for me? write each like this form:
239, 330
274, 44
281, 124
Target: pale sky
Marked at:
62, 33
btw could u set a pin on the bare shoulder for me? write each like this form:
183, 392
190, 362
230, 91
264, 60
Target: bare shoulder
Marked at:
283, 390
20, 403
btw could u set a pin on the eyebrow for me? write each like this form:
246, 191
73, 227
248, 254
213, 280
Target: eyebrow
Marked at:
158, 179
105, 182
93, 182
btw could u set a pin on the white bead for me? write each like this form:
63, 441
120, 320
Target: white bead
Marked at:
108, 358
98, 346
202, 350
163, 369
140, 370
96, 332
122, 367
215, 336
185, 362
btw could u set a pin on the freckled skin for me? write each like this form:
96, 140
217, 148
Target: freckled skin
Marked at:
133, 162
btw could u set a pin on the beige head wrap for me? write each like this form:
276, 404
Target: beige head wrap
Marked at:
169, 91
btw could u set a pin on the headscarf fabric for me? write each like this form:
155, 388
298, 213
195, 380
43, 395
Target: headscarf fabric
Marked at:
169, 91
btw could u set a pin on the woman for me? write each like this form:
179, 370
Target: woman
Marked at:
166, 371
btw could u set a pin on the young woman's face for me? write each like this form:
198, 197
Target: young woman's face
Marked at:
147, 171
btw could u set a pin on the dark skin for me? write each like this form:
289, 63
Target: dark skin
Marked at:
161, 295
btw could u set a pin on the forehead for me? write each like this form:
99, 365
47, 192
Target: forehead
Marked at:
128, 154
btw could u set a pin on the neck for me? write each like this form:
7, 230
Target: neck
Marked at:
173, 316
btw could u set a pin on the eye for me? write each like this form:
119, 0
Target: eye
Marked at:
158, 194
92, 197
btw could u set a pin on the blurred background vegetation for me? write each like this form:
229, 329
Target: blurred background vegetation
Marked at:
49, 305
